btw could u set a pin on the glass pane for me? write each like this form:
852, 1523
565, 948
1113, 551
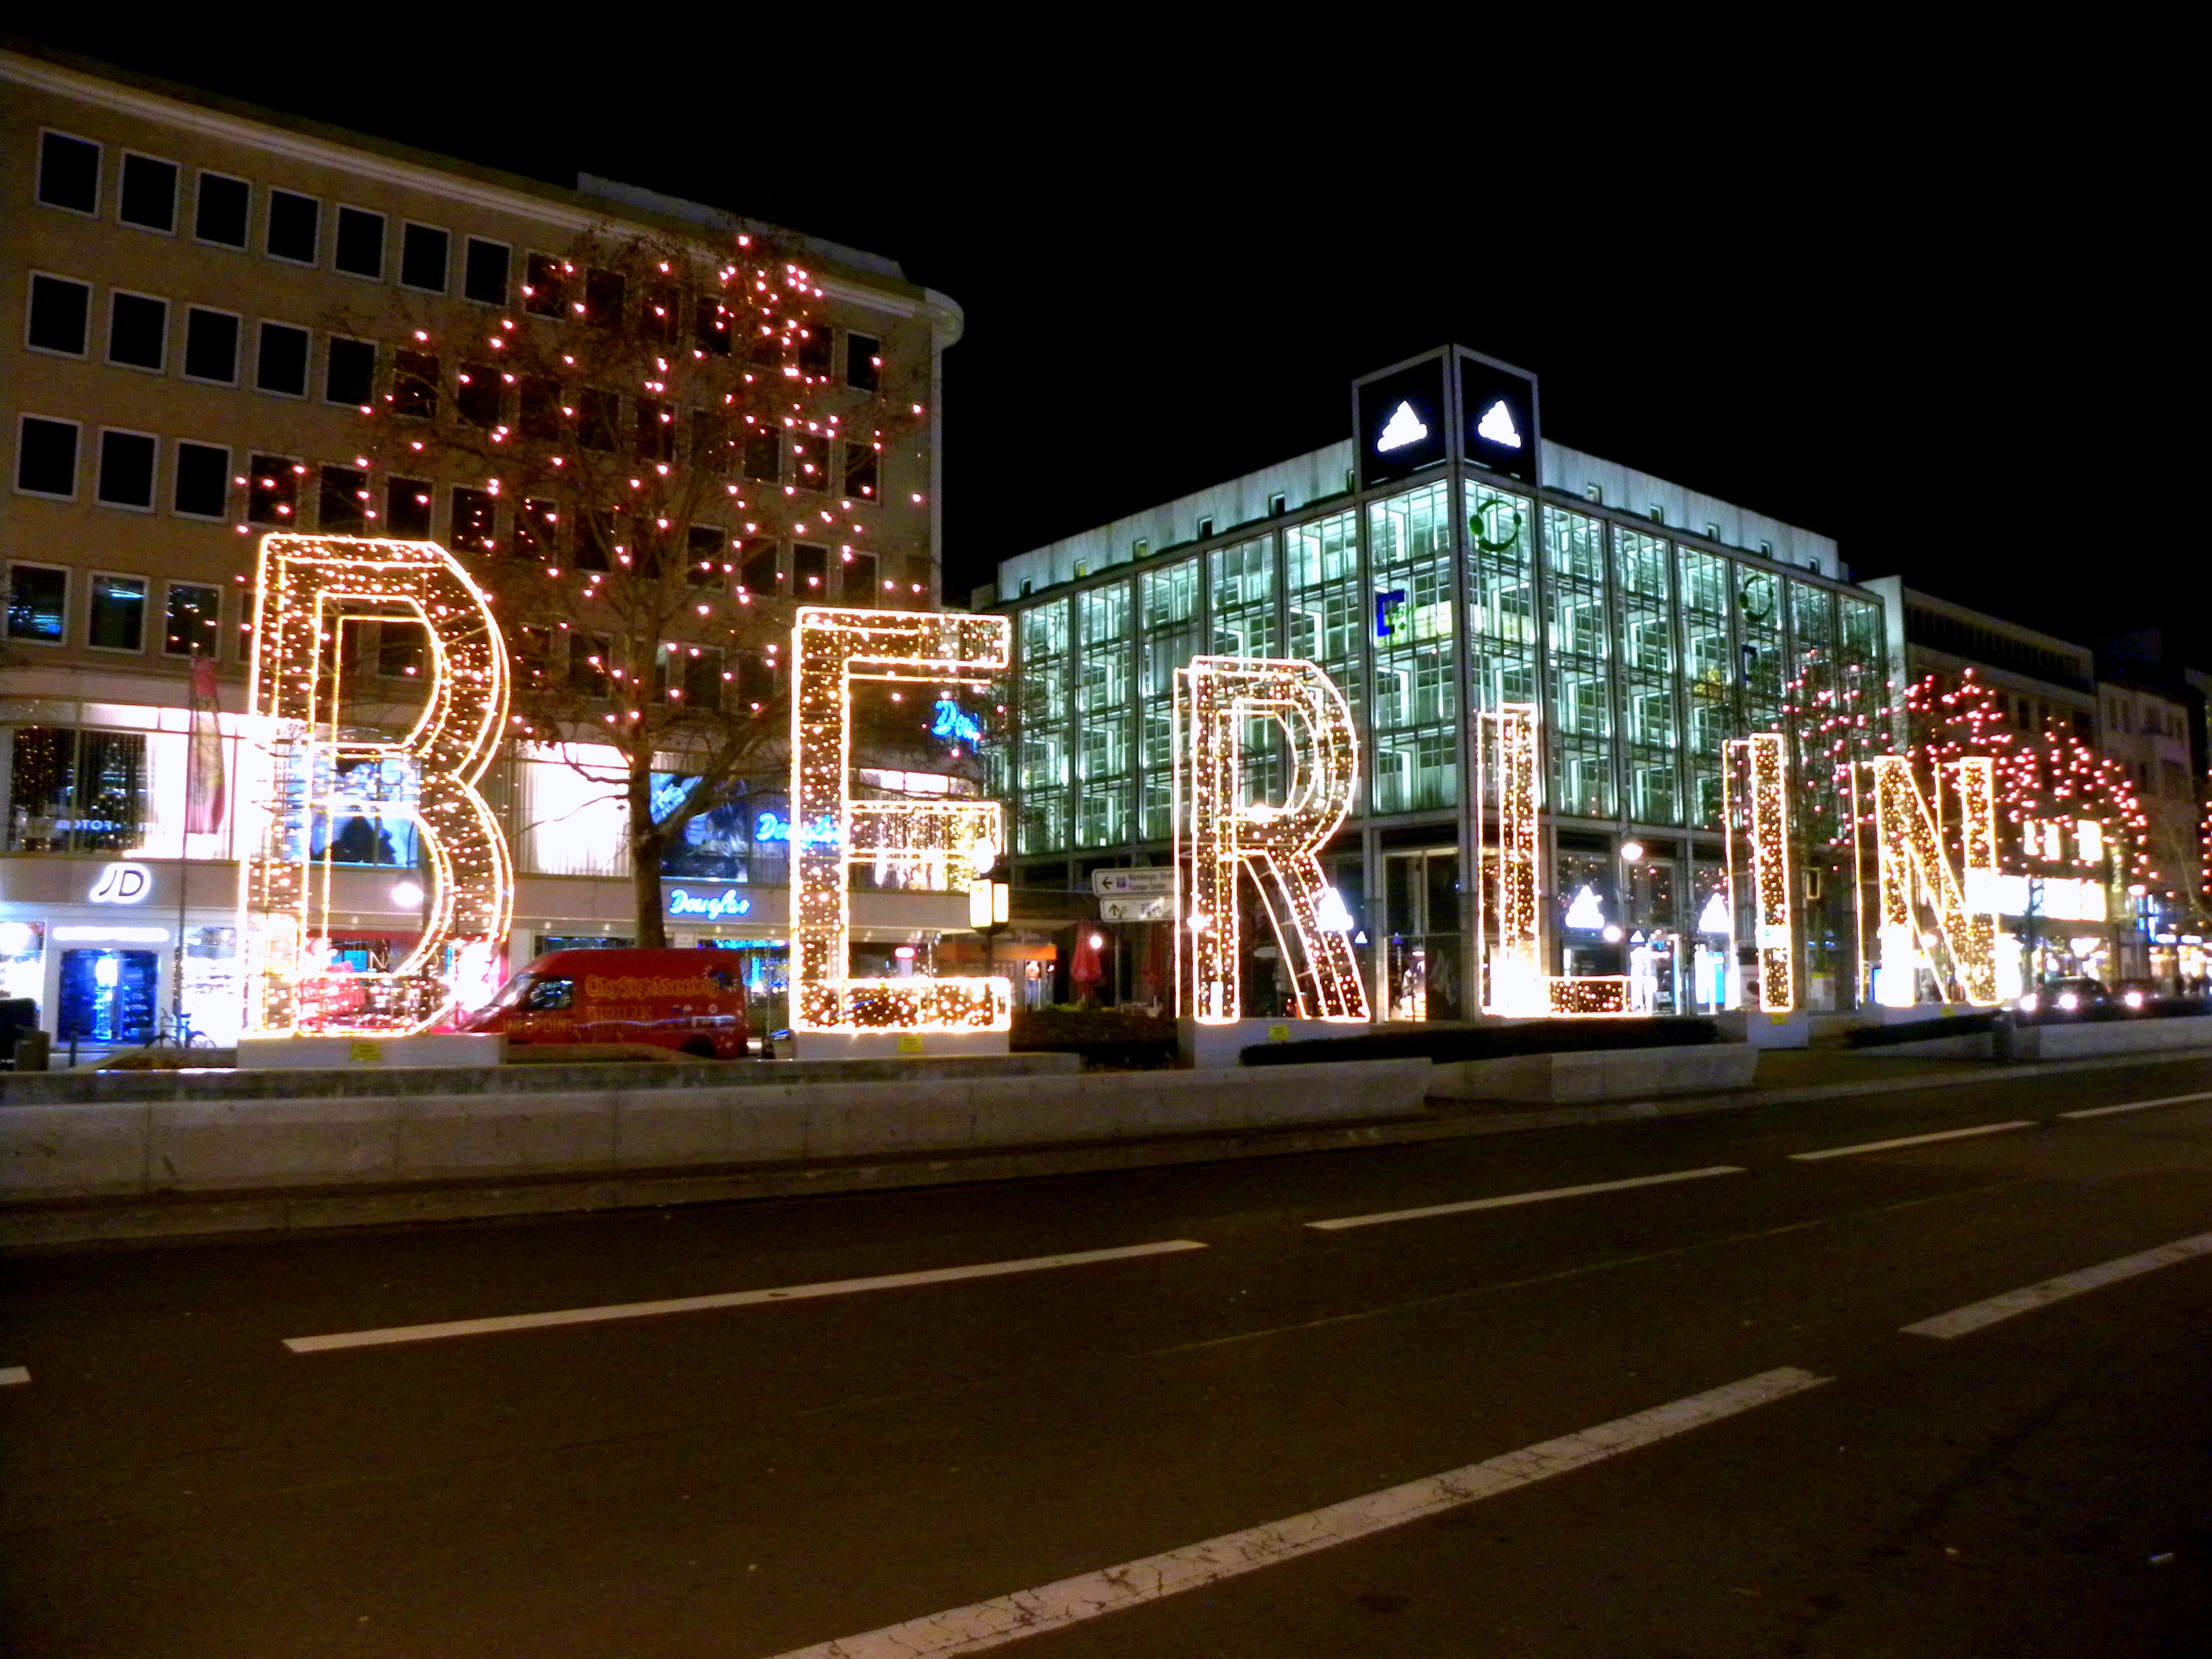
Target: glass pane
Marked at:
1414, 710
1580, 728
1169, 603
1043, 822
1105, 757
1643, 573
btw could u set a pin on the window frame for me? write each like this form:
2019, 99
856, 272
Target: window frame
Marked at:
7, 602
851, 336
468, 242
237, 345
340, 208
288, 463
176, 191
153, 476
200, 182
108, 352
269, 228
32, 278
98, 173
399, 275
145, 603
168, 589
77, 455
176, 473
561, 311
261, 325
330, 342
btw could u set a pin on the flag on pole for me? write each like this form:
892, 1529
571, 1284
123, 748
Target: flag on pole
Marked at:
204, 778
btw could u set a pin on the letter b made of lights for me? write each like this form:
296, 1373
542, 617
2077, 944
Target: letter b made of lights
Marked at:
830, 650
1220, 835
309, 588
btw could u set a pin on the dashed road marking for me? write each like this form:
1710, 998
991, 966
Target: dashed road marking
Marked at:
1509, 1200
2135, 1106
1913, 1140
1054, 1607
1975, 1315
394, 1334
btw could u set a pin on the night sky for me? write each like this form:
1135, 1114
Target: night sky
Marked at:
1939, 339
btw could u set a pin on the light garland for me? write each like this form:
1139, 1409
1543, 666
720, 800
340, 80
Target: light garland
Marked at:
1911, 857
831, 649
304, 590
1754, 799
1517, 975
1214, 697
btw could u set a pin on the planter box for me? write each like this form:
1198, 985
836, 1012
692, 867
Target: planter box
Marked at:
1600, 1074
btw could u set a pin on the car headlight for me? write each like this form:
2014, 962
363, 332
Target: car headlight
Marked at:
2068, 1001
2135, 998
2028, 1005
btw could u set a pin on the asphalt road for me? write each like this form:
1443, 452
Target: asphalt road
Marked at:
1773, 1463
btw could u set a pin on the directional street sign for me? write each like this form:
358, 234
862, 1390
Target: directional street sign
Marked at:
1159, 907
1110, 883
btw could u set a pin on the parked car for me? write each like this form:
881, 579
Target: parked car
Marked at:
2137, 995
690, 1000
2066, 996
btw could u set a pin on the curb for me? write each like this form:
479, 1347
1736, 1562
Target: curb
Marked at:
49, 1225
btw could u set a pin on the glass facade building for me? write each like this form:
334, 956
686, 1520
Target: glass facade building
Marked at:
1645, 631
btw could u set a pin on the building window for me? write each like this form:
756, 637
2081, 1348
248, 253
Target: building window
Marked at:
342, 504
126, 470
202, 484
483, 272
862, 586
407, 504
605, 293
1139, 548
72, 791
1766, 549
810, 454
1105, 742
1414, 705
148, 199
706, 548
538, 530
1712, 532
599, 415
211, 346
759, 573
656, 431
281, 365
544, 286
414, 377
478, 393
817, 351
272, 491
474, 520
1580, 731
543, 415
118, 614
38, 603
221, 210
1501, 647
296, 226
587, 663
349, 375
46, 457
595, 540
1042, 823
425, 251
1658, 514
1278, 504
710, 326
1202, 530
60, 315
810, 571
193, 621
860, 470
69, 172
137, 330
864, 361
360, 248
1594, 493
763, 453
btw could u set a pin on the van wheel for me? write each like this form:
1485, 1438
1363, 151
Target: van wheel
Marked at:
698, 1048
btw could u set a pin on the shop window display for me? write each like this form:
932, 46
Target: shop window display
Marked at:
76, 791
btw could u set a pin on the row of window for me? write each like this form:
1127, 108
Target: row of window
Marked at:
117, 610
148, 194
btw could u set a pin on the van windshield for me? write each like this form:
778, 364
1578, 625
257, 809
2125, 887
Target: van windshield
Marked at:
547, 995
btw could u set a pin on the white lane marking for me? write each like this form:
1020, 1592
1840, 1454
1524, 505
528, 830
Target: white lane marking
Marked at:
1975, 1315
1511, 1199
1051, 1606
729, 1299
2135, 1106
14, 1374
1914, 1140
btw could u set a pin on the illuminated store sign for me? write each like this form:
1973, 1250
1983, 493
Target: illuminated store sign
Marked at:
1402, 423
301, 741
1403, 428
1387, 607
1220, 834
1497, 415
773, 827
122, 884
948, 841
708, 907
949, 720
1497, 426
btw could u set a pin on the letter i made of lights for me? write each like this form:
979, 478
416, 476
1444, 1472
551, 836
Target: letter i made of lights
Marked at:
1217, 699
1911, 862
309, 588
947, 841
1755, 811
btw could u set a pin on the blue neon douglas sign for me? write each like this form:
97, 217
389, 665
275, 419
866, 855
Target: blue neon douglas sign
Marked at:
952, 720
774, 827
708, 907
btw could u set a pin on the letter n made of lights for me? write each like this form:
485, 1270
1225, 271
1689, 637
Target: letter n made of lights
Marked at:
309, 588
829, 650
1221, 833
1755, 816
1911, 862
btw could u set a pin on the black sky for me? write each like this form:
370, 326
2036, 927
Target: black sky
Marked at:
1937, 316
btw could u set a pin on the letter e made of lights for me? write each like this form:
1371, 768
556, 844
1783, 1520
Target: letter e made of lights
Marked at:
309, 589
948, 839
1219, 834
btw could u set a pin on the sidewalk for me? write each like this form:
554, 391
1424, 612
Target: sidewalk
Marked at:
1783, 1078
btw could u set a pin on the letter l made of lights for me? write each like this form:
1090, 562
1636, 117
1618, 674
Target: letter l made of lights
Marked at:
829, 650
1218, 833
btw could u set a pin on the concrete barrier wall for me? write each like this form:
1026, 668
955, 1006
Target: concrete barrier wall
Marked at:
2118, 1037
167, 1145
1598, 1074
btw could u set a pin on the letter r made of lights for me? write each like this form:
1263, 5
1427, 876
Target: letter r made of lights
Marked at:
829, 650
1218, 834
1911, 862
1755, 811
308, 589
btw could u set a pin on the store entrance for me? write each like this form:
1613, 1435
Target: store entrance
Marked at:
108, 996
1421, 977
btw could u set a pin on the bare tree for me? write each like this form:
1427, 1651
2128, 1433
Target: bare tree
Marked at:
626, 448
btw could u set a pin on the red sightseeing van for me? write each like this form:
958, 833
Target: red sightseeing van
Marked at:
690, 1000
